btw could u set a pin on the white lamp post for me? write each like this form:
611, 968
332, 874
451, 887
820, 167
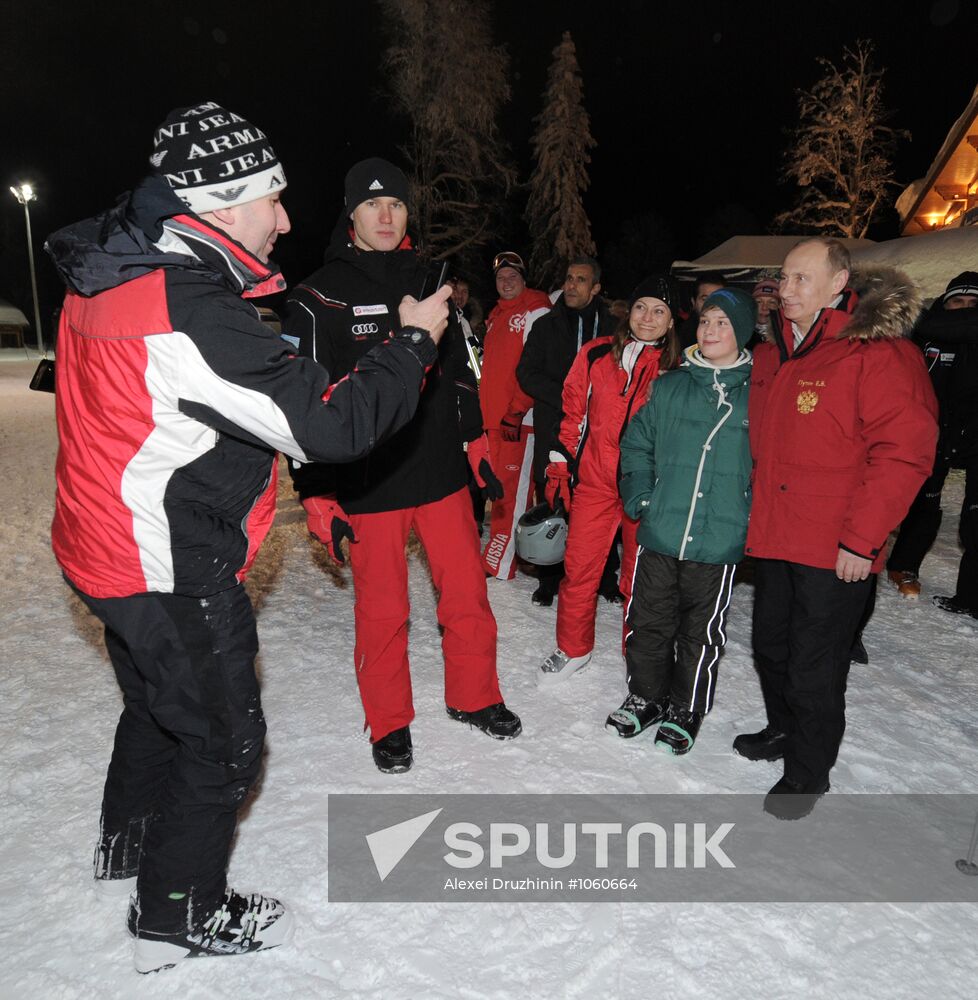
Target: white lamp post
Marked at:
25, 194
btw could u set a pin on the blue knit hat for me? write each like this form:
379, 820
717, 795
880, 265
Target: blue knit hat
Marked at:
740, 308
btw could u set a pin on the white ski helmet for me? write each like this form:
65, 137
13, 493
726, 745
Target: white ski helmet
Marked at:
541, 535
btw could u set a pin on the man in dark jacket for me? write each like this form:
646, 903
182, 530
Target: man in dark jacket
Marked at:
842, 433
948, 336
172, 400
418, 479
576, 318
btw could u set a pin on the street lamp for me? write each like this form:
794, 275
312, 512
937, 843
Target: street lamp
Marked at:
25, 194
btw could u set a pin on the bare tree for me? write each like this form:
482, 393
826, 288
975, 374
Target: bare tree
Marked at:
559, 226
450, 82
841, 148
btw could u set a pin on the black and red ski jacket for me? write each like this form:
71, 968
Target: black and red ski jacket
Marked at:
337, 315
173, 398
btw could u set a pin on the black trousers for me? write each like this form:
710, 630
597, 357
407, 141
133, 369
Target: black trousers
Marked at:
923, 521
188, 747
804, 623
676, 629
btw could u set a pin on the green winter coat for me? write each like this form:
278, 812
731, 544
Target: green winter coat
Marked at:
686, 464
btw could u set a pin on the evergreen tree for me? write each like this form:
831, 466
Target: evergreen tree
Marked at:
840, 151
559, 226
450, 82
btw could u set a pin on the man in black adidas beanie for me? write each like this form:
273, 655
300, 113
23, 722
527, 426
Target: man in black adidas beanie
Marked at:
418, 480
374, 178
173, 401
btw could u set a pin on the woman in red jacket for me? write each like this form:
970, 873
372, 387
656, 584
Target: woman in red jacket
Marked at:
608, 382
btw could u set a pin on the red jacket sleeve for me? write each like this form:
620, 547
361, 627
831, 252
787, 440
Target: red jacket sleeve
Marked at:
897, 413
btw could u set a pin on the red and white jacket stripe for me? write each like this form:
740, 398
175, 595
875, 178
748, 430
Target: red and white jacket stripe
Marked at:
173, 397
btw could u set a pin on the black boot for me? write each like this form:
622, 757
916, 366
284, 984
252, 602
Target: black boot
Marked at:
610, 592
548, 583
496, 721
793, 799
768, 744
678, 733
858, 652
392, 753
636, 715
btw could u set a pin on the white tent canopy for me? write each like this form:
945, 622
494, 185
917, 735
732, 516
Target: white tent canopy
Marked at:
741, 255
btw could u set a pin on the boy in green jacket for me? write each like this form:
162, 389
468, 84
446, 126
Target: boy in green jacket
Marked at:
685, 475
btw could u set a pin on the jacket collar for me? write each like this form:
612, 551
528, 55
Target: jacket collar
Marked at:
831, 320
149, 229
250, 277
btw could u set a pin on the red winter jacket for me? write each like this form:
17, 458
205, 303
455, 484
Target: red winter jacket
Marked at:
173, 398
842, 430
499, 392
600, 396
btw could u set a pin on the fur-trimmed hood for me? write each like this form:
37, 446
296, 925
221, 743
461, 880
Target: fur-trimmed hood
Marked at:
887, 307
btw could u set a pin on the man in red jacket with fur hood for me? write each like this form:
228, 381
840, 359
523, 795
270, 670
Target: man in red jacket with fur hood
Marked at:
842, 430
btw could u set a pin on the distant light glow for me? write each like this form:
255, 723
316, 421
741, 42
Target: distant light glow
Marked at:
23, 193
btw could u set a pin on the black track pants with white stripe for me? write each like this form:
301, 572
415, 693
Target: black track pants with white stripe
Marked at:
676, 629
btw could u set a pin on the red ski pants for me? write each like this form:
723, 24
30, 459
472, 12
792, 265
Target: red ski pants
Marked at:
512, 461
595, 516
380, 581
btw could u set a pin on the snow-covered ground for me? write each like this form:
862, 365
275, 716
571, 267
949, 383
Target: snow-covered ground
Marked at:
912, 728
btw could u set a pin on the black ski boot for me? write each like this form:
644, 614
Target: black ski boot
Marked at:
678, 733
794, 800
768, 744
496, 721
635, 715
393, 753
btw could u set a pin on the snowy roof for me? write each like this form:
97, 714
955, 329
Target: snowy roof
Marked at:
944, 192
11, 315
741, 254
931, 260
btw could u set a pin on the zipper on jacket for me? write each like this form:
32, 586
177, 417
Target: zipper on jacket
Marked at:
699, 470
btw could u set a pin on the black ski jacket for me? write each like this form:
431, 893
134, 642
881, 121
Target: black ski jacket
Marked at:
949, 340
338, 314
550, 349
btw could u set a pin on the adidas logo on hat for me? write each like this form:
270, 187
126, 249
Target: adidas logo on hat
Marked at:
373, 178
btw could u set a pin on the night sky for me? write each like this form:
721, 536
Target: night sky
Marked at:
688, 101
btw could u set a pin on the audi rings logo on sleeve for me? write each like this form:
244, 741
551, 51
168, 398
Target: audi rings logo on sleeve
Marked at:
364, 329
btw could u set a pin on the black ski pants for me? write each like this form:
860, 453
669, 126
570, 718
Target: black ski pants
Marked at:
922, 523
676, 629
804, 622
188, 747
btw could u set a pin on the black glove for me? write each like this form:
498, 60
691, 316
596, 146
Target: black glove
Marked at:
494, 488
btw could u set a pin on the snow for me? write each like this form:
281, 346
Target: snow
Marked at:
931, 259
911, 729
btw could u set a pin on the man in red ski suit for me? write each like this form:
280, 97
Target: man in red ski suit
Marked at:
418, 479
843, 430
507, 409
